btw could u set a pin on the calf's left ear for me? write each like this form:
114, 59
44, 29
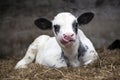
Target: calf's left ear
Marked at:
43, 23
85, 18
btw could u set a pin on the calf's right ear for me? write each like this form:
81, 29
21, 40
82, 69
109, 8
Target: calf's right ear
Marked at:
43, 23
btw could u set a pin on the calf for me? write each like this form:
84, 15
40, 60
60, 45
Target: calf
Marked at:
69, 47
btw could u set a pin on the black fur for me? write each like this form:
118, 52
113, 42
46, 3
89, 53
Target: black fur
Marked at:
66, 59
43, 23
75, 27
85, 18
81, 50
56, 28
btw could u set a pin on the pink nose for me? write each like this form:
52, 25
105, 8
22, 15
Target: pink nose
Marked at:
68, 37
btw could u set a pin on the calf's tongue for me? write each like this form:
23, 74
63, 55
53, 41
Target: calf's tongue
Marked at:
64, 41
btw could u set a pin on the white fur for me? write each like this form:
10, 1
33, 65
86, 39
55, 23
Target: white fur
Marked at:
65, 21
47, 50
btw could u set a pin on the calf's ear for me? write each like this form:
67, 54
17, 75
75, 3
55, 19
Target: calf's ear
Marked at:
43, 23
85, 18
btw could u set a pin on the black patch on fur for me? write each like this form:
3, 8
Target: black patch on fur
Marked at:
56, 28
66, 59
75, 26
82, 50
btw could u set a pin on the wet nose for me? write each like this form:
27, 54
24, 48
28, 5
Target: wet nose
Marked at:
68, 36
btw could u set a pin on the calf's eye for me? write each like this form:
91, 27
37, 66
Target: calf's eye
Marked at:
75, 26
56, 28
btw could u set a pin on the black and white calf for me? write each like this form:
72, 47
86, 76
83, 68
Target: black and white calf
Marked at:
69, 47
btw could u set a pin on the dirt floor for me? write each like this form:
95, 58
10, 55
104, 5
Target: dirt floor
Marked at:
106, 68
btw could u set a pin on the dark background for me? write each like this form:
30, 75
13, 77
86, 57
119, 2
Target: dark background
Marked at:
17, 29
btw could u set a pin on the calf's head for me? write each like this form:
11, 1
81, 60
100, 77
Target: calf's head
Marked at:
65, 26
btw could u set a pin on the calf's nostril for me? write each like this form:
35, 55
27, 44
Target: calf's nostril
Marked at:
72, 35
65, 36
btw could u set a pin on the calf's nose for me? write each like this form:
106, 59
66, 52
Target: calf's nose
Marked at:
68, 36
